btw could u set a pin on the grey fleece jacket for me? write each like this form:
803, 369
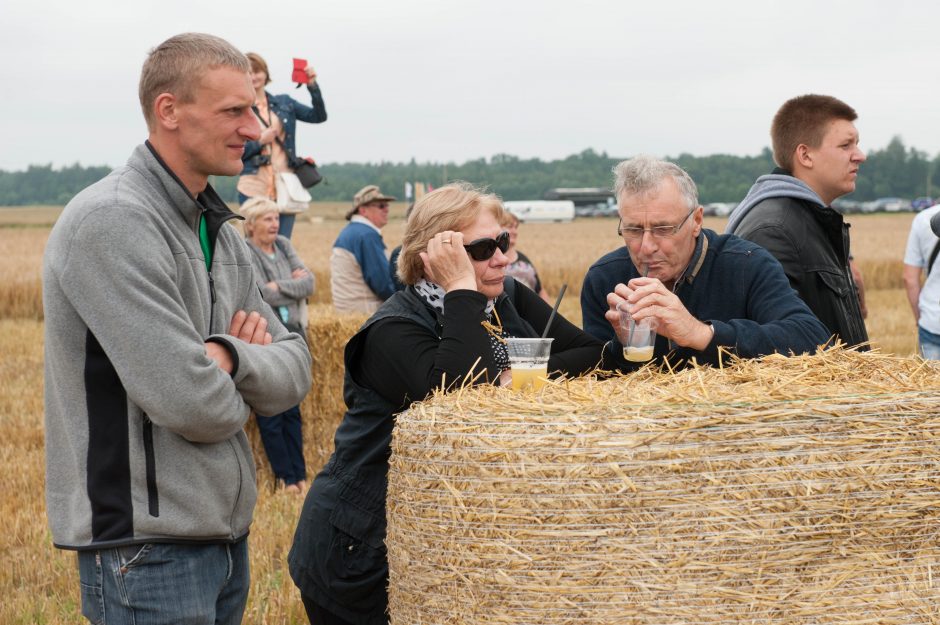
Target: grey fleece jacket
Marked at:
144, 438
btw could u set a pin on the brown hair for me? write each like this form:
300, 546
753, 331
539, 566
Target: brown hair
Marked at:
803, 120
177, 65
452, 207
258, 65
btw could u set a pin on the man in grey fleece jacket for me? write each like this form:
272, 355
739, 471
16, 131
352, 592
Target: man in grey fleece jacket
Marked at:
158, 347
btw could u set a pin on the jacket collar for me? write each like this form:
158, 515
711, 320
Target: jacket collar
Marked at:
697, 260
145, 158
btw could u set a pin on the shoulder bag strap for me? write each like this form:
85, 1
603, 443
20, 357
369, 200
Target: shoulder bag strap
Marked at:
933, 256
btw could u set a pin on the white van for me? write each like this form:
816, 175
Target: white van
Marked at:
541, 210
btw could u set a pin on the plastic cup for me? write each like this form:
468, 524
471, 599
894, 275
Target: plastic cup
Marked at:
528, 360
640, 336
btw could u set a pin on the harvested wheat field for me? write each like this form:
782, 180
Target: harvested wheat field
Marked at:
780, 491
42, 582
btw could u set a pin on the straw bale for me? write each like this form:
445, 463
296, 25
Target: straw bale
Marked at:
783, 490
323, 408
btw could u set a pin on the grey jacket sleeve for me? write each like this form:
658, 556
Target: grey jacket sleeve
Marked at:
270, 378
121, 276
289, 290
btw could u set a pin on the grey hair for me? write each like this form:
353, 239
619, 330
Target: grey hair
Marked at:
643, 174
177, 65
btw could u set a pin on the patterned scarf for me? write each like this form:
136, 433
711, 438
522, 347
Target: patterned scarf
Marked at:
434, 296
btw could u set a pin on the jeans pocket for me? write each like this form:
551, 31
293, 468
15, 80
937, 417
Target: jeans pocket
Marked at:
131, 556
92, 603
90, 576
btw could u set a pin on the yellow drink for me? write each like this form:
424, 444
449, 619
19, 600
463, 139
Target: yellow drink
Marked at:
638, 354
529, 378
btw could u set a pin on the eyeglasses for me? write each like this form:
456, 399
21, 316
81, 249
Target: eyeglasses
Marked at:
378, 204
483, 249
635, 233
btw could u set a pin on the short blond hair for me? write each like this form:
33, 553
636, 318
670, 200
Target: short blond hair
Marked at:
452, 207
255, 208
177, 65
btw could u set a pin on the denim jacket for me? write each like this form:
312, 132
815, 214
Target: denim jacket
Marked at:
289, 110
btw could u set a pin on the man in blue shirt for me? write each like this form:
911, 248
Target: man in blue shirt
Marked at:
707, 294
359, 271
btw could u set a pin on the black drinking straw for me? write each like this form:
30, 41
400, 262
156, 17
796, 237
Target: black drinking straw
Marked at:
551, 317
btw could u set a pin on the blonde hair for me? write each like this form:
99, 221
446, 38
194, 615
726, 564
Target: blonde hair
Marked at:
253, 209
452, 207
508, 219
177, 65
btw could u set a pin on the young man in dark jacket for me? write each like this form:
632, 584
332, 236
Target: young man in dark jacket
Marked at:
709, 294
788, 212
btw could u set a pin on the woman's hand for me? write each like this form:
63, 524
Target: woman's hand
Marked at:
311, 75
447, 264
268, 135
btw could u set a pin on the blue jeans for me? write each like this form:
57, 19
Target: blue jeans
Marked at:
165, 584
929, 344
283, 444
286, 227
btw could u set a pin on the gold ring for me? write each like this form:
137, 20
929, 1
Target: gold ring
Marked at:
447, 241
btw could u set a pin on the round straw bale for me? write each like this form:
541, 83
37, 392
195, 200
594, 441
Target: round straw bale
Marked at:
781, 490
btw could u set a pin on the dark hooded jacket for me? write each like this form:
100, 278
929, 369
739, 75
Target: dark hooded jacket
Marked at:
811, 240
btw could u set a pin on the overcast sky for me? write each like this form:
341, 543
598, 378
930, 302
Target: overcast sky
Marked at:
456, 80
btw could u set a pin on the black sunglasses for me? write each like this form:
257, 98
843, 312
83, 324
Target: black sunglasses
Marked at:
483, 249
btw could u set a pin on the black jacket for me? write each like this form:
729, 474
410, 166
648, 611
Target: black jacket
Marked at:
811, 241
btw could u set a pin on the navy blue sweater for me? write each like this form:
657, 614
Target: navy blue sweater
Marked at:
739, 288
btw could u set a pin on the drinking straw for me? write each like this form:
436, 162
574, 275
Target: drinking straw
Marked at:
551, 317
644, 273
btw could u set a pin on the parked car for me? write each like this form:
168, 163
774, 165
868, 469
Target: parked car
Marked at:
921, 203
718, 209
890, 204
847, 207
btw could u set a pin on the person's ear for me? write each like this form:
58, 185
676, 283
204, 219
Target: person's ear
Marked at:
696, 218
803, 156
166, 111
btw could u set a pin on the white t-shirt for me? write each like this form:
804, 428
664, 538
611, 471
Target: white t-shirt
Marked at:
920, 244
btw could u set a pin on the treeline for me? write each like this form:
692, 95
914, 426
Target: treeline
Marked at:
892, 171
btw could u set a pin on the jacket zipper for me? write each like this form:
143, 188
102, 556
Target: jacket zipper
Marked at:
212, 301
153, 499
238, 493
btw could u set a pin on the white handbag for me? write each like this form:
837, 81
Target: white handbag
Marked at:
292, 197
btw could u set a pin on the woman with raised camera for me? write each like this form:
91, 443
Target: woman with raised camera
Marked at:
275, 151
446, 324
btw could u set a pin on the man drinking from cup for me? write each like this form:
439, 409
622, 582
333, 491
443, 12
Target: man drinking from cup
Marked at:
701, 290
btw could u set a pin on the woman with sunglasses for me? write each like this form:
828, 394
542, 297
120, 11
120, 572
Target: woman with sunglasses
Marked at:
446, 324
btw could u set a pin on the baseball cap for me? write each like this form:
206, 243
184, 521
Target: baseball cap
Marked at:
370, 193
